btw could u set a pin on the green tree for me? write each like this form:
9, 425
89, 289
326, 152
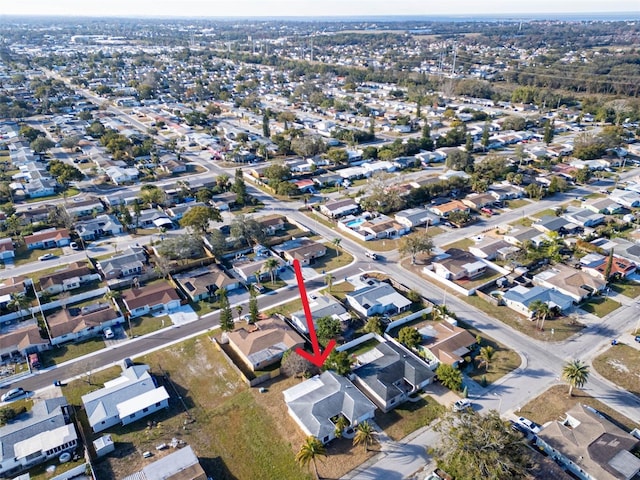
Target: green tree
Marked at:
247, 229
609, 266
474, 446
341, 423
414, 244
18, 302
336, 243
41, 144
266, 131
327, 328
239, 309
226, 316
339, 362
253, 306
549, 127
152, 195
270, 266
410, 337
365, 435
449, 376
459, 160
328, 280
374, 325
541, 312
486, 356
239, 187
311, 449
576, 374
198, 218
338, 156
485, 136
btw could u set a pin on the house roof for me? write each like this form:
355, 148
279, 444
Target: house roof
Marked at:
379, 293
132, 257
526, 296
252, 266
154, 294
594, 443
6, 245
339, 204
317, 400
76, 269
182, 464
271, 220
21, 338
74, 320
264, 340
457, 260
570, 280
387, 366
202, 280
54, 234
451, 206
447, 342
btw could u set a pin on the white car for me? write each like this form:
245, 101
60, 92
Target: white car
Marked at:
532, 426
46, 256
12, 394
108, 333
461, 405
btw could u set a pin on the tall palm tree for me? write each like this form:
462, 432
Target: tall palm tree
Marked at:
365, 435
328, 279
239, 311
576, 374
270, 266
336, 243
486, 356
18, 303
541, 312
310, 449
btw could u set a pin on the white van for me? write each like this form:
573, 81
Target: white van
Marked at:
12, 394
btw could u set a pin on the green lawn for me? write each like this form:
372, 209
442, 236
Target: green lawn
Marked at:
462, 244
599, 306
629, 289
71, 192
24, 256
517, 203
58, 355
204, 306
147, 324
363, 347
286, 309
544, 213
339, 290
621, 365
408, 417
334, 258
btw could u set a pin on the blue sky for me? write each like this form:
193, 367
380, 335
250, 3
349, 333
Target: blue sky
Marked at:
247, 8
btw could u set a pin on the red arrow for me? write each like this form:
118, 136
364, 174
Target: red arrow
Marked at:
317, 357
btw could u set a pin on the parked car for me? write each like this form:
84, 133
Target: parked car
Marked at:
74, 245
638, 338
486, 211
12, 394
108, 333
371, 255
532, 426
461, 405
46, 256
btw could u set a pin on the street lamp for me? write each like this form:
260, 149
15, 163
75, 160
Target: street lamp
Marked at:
500, 402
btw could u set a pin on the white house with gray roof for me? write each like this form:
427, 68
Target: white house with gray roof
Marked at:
317, 403
377, 298
320, 306
130, 397
520, 298
130, 262
36, 436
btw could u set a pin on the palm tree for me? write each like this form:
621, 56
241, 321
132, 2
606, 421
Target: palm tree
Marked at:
486, 356
576, 374
336, 243
310, 449
19, 302
541, 311
270, 266
341, 424
239, 311
365, 435
328, 279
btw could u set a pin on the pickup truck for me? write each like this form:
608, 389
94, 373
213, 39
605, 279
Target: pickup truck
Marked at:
371, 255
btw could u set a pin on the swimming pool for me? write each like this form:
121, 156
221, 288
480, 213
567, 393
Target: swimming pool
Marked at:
355, 223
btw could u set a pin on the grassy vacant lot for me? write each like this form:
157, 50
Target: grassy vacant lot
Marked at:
621, 365
24, 256
334, 258
408, 417
628, 289
599, 306
555, 402
58, 355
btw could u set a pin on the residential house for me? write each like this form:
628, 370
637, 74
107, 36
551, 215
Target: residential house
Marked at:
151, 218
445, 342
416, 217
123, 400
252, 270
383, 226
520, 299
13, 286
39, 187
302, 249
224, 201
520, 236
21, 341
129, 263
317, 403
181, 464
577, 284
71, 324
177, 211
173, 166
320, 306
621, 247
101, 226
389, 373
560, 225
505, 192
328, 180
490, 248
120, 175
377, 298
620, 268
156, 297
41, 434
68, 278
203, 282
445, 209
456, 264
590, 446
340, 208
49, 238
264, 343
583, 216
625, 198
602, 205
33, 214
7, 249
477, 201
272, 224
80, 207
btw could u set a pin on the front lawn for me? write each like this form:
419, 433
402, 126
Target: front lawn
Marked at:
599, 306
621, 365
68, 351
334, 258
408, 417
339, 290
629, 288
147, 324
24, 256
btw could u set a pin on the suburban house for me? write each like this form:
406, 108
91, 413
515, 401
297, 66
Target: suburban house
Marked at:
72, 324
505, 192
7, 249
177, 211
123, 400
37, 436
477, 201
129, 263
577, 284
456, 264
560, 225
263, 343
383, 226
22, 341
519, 236
445, 342
317, 403
156, 297
583, 216
320, 306
389, 373
252, 270
620, 268
224, 201
447, 208
12, 286
50, 238
272, 224
625, 198
68, 278
203, 282
490, 248
119, 175
621, 247
520, 298
602, 205
590, 446
377, 298
101, 226
181, 464
301, 249
151, 218
340, 208
83, 207
416, 217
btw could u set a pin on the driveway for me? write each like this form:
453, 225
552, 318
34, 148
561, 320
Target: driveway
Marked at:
184, 314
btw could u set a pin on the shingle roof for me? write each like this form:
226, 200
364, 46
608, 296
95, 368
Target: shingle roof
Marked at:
155, 294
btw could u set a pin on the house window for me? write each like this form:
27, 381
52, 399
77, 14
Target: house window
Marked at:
133, 415
146, 409
158, 404
325, 439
